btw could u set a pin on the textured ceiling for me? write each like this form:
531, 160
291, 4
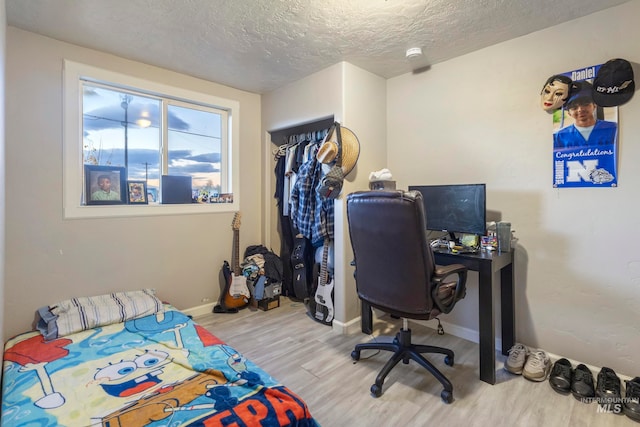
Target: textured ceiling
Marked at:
261, 45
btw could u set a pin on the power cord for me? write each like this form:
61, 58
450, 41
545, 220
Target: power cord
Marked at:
373, 338
440, 328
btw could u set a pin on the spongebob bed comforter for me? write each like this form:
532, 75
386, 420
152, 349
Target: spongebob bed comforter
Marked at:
161, 369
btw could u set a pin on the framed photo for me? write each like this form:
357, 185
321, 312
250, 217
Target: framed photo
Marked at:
104, 185
221, 198
137, 192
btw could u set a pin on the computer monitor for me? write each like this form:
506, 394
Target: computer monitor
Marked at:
456, 208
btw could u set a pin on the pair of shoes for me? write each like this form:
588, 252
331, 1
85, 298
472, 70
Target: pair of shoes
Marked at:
537, 366
608, 390
582, 384
561, 376
579, 382
632, 399
517, 357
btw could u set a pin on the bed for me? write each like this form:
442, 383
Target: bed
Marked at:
128, 360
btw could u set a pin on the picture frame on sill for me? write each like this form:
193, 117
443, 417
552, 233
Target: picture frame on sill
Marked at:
104, 185
137, 193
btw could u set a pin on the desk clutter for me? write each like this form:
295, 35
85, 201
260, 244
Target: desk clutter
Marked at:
499, 237
381, 180
535, 365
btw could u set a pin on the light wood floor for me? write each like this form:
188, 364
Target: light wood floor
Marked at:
315, 363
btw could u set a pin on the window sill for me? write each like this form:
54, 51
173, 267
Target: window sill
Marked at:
152, 209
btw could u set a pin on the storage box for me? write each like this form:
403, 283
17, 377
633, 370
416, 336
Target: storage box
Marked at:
269, 303
382, 185
272, 290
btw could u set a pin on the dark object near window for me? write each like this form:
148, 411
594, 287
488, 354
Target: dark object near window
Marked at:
176, 189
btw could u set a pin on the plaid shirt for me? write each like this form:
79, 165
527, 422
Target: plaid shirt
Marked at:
312, 215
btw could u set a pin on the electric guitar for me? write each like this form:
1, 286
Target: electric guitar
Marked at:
325, 287
236, 293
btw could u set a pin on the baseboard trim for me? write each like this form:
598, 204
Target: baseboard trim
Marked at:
347, 328
199, 310
474, 336
458, 331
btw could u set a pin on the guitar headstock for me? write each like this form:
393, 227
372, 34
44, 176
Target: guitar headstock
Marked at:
236, 221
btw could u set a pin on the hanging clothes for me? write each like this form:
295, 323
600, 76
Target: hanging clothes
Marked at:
312, 215
302, 213
284, 227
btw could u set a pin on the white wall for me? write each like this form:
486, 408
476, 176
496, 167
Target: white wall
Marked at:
304, 101
365, 113
477, 118
3, 32
356, 98
49, 259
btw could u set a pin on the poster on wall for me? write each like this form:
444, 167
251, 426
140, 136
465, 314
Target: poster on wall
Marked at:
585, 136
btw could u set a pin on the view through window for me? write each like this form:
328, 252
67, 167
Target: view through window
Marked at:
151, 136
143, 147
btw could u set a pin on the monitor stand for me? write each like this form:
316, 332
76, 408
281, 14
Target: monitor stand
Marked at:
453, 238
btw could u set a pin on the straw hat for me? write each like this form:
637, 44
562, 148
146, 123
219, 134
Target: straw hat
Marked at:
328, 151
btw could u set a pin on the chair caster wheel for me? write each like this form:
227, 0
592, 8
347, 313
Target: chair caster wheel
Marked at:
355, 355
447, 396
448, 360
376, 390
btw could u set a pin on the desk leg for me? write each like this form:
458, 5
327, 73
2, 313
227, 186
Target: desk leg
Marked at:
366, 318
487, 325
507, 310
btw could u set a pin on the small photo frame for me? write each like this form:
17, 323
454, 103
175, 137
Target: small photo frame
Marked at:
137, 193
221, 198
104, 185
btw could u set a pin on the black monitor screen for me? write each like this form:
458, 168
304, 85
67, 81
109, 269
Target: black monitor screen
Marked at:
455, 208
176, 189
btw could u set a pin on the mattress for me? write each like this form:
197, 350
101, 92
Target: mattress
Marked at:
161, 369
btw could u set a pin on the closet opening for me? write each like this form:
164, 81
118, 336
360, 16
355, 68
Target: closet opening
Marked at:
304, 220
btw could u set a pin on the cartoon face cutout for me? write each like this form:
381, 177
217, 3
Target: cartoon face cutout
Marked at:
129, 377
553, 95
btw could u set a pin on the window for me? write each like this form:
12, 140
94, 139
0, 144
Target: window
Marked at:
157, 135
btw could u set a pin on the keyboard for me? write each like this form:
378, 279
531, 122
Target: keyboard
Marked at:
464, 250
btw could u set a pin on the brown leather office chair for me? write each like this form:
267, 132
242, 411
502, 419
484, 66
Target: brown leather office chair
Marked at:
396, 273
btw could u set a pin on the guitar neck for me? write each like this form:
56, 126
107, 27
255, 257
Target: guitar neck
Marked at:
235, 256
323, 266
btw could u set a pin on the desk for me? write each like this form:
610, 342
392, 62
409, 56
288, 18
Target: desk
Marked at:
485, 263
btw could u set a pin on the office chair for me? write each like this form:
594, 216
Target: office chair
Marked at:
396, 273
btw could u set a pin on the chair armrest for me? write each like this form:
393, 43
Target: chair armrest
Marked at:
440, 275
446, 270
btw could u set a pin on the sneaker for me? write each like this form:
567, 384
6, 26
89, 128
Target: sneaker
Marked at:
517, 356
608, 389
560, 378
582, 384
537, 367
632, 399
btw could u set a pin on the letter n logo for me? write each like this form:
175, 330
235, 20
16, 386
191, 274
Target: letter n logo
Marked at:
580, 170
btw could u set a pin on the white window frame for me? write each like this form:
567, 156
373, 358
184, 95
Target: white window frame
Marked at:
73, 161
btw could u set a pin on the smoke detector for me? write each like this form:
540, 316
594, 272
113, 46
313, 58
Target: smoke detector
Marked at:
414, 52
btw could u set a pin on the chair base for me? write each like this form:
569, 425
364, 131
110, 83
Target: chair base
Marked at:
404, 350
